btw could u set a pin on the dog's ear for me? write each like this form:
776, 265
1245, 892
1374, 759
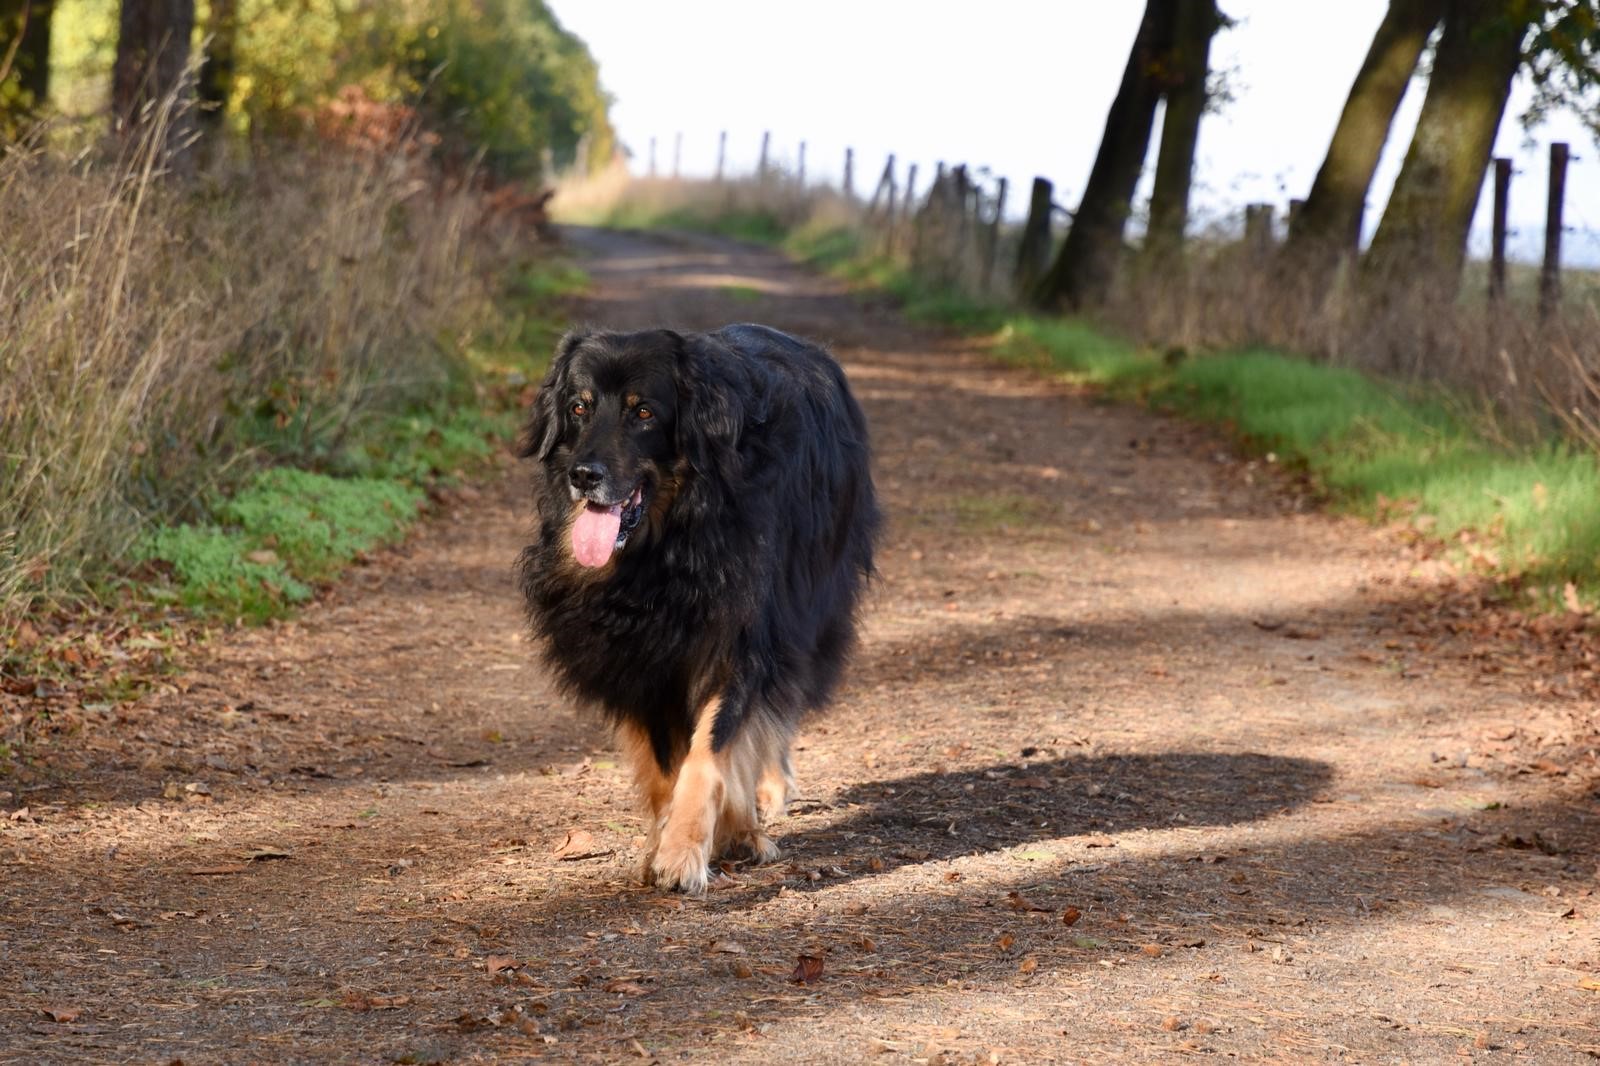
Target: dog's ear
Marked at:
711, 412
539, 436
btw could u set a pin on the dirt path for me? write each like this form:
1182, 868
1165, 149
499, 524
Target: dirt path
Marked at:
1110, 673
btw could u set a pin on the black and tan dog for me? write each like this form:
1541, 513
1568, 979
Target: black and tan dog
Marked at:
706, 520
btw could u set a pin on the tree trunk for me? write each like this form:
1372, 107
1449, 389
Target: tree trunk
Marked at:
1195, 24
1327, 227
24, 58
150, 81
1422, 240
1033, 253
1083, 271
216, 72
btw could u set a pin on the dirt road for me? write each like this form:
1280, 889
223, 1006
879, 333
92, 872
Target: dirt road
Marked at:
1136, 759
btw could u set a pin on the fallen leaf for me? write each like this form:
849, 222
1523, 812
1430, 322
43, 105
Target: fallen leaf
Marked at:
1071, 915
727, 947
1152, 950
742, 970
579, 844
1589, 984
1018, 902
266, 855
626, 986
1028, 965
1005, 942
496, 963
362, 1001
808, 970
63, 1014
1171, 1023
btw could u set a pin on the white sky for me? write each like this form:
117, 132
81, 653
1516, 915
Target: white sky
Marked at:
1022, 87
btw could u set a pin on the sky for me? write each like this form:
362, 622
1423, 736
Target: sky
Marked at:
1021, 87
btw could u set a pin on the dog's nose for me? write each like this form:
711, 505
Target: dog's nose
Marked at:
586, 475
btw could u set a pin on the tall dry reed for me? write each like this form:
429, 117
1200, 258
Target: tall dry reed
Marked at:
145, 318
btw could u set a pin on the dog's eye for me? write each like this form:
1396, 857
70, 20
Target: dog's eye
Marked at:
580, 408
644, 413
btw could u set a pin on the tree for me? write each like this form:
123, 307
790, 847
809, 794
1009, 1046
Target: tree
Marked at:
24, 59
1185, 71
217, 71
1328, 224
1086, 265
1422, 238
151, 71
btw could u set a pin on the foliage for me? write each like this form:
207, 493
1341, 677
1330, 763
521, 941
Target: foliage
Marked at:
286, 530
503, 77
1562, 58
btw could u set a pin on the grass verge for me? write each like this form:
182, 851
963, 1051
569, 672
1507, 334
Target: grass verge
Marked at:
1524, 514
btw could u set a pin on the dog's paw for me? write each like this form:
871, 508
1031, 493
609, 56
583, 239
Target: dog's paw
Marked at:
761, 848
683, 870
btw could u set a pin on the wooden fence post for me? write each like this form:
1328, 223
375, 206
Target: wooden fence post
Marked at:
908, 205
800, 169
885, 181
992, 245
1550, 275
1502, 202
1033, 254
1295, 207
1258, 231
677, 156
849, 186
652, 157
761, 167
722, 152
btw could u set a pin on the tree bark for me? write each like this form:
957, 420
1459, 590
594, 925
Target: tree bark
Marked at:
152, 68
1084, 269
24, 57
1422, 239
217, 70
1327, 227
1195, 24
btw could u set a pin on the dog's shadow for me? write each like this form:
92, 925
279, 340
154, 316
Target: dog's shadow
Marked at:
1076, 800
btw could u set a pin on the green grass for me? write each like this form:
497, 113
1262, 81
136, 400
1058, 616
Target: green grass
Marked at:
1530, 515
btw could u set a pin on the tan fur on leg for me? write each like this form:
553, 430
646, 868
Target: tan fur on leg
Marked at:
713, 806
654, 788
777, 785
684, 851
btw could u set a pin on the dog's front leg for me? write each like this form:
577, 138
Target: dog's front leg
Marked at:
683, 853
654, 786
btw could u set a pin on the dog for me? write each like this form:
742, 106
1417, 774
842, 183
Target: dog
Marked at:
705, 522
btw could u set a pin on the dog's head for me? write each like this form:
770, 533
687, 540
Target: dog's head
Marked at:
620, 420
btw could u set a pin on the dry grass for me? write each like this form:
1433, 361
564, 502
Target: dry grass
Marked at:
147, 323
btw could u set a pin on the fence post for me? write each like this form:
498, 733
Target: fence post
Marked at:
1295, 207
1033, 254
1502, 202
722, 152
800, 170
677, 156
652, 157
1550, 275
885, 181
761, 167
849, 187
909, 202
992, 248
1258, 230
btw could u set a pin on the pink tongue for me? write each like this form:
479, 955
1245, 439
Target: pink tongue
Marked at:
594, 534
